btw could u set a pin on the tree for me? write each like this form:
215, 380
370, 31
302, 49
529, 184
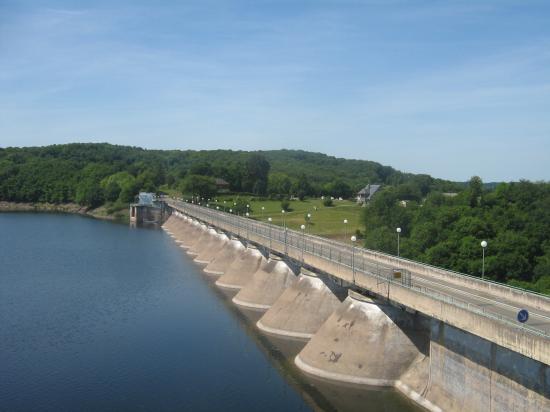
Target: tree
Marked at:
279, 184
112, 191
197, 185
201, 168
476, 189
301, 187
89, 193
256, 174
338, 188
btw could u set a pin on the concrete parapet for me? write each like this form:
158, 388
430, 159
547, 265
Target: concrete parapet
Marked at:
225, 257
267, 284
212, 248
491, 289
241, 269
365, 342
302, 308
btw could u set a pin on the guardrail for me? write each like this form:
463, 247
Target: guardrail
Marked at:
358, 260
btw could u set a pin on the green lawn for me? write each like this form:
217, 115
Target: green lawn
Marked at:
325, 221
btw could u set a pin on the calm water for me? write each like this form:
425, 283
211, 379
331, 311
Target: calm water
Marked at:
100, 316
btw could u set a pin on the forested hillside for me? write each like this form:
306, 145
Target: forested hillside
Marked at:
442, 222
514, 219
91, 174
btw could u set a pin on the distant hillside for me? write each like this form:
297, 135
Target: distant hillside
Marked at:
92, 174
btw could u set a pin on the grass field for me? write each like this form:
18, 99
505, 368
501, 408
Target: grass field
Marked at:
325, 221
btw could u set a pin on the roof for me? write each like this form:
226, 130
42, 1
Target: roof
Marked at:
221, 182
145, 198
369, 190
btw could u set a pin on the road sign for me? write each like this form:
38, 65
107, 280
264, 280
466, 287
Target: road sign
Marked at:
523, 315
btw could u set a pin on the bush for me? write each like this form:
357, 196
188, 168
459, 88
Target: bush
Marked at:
285, 205
328, 202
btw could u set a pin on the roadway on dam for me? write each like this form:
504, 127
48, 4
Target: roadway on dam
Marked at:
364, 264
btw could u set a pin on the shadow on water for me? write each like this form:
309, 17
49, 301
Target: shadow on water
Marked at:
320, 394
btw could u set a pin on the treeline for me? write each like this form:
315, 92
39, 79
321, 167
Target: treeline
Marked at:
442, 222
514, 219
92, 174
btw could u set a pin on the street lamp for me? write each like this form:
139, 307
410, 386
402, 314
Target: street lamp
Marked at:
483, 246
269, 220
263, 208
247, 208
345, 228
247, 231
284, 228
398, 230
303, 227
224, 209
308, 220
353, 240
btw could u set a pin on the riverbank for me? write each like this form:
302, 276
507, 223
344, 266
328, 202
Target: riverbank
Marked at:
101, 212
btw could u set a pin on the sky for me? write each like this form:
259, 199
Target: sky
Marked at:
449, 88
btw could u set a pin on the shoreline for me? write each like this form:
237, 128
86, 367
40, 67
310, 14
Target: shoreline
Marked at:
70, 208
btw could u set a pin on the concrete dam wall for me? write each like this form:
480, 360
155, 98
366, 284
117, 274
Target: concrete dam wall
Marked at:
302, 308
266, 285
357, 338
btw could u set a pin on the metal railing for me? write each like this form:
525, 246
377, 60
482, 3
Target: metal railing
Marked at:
358, 260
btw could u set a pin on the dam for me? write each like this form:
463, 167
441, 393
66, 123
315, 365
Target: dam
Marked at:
445, 340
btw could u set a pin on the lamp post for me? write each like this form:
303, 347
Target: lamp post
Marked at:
284, 228
483, 246
353, 240
398, 230
303, 227
308, 221
247, 231
269, 220
263, 208
224, 209
345, 228
247, 209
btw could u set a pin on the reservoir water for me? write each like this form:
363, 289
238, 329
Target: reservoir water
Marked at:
101, 316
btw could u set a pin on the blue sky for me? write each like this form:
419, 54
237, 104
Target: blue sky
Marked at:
449, 88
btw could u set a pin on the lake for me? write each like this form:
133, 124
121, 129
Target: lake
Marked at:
101, 316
